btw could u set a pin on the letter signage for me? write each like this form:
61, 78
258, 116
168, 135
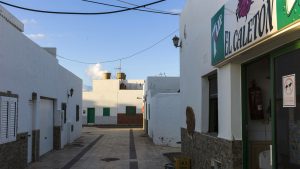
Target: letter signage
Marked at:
245, 22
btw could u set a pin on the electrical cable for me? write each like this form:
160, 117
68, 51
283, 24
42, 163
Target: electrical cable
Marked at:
128, 3
123, 58
143, 10
80, 13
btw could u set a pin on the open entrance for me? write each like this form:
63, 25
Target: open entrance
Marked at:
257, 115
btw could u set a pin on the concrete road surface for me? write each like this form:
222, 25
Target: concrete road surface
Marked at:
100, 148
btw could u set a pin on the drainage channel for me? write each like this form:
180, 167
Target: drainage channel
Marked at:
132, 152
82, 153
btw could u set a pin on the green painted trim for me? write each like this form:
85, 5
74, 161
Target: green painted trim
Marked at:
285, 49
106, 111
274, 54
273, 112
244, 117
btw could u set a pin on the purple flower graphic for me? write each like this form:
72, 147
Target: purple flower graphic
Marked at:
243, 8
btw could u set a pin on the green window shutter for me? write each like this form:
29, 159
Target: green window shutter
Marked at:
130, 110
106, 111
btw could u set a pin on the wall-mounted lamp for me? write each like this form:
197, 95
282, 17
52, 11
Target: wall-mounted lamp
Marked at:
176, 41
70, 93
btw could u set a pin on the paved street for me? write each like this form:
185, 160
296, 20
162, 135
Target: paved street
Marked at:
99, 148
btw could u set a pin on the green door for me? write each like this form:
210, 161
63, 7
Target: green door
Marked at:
91, 115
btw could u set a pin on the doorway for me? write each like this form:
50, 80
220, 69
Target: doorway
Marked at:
90, 115
287, 110
46, 125
257, 113
271, 112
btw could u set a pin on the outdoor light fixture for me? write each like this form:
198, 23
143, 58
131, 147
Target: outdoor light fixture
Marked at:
176, 41
70, 94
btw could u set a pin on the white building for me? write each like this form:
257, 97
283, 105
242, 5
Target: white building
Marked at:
114, 101
162, 120
238, 64
34, 89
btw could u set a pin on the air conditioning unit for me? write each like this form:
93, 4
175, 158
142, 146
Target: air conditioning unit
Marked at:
216, 164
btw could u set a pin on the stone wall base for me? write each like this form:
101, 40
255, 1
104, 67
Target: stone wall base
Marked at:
13, 155
56, 137
203, 148
35, 145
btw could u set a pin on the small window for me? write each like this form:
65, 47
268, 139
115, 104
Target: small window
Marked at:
130, 110
8, 119
83, 112
64, 108
213, 103
149, 110
106, 111
77, 112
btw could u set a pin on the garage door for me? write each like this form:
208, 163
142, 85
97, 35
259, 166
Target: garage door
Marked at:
46, 126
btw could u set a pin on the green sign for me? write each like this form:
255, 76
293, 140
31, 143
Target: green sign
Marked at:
217, 37
288, 11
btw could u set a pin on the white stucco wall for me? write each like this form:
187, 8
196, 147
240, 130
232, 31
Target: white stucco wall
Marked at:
163, 110
106, 93
26, 68
164, 124
195, 64
155, 85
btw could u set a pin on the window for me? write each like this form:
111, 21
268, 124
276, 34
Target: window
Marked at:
149, 110
77, 112
8, 119
64, 108
213, 103
130, 110
106, 111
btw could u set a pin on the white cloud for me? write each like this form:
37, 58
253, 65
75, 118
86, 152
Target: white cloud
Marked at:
175, 10
38, 36
95, 71
29, 21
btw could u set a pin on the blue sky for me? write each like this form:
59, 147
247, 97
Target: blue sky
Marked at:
105, 37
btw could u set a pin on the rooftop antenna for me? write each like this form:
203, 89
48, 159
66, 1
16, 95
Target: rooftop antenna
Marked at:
120, 66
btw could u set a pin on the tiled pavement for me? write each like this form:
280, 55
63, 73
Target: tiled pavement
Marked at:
121, 148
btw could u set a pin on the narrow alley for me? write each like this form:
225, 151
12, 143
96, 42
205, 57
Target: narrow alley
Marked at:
107, 149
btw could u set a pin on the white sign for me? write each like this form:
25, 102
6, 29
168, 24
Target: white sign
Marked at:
246, 22
289, 90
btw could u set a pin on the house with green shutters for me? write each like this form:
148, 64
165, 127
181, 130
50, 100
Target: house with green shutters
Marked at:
114, 102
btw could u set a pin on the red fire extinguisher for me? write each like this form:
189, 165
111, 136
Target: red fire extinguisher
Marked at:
255, 102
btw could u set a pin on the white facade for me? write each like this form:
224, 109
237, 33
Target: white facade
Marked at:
107, 94
195, 65
25, 69
163, 117
243, 53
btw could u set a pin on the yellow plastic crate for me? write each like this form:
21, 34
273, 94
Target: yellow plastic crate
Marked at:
182, 163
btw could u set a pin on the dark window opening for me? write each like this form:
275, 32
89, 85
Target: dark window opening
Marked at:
77, 112
122, 86
213, 104
64, 108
